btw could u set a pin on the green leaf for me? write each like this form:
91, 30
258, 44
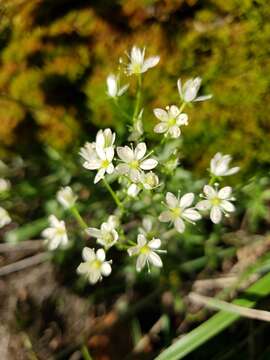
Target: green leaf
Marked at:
215, 324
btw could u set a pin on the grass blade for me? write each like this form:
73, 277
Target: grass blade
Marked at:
215, 324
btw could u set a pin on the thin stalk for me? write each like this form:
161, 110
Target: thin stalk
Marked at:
85, 353
138, 98
78, 217
113, 194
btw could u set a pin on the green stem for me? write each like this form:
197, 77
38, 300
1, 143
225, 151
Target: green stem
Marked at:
114, 196
138, 98
78, 217
85, 353
182, 107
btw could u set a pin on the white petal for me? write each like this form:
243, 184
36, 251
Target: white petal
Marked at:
134, 250
150, 62
88, 254
182, 119
186, 200
141, 240
179, 225
191, 215
174, 131
141, 261
147, 224
154, 243
161, 114
140, 151
83, 268
227, 206
171, 200
110, 169
133, 190
165, 216
232, 171
100, 175
125, 153
155, 259
106, 269
122, 169
203, 98
134, 175
174, 111
94, 276
215, 214
148, 164
179, 86
100, 255
112, 85
161, 128
92, 164
225, 192
203, 205
109, 153
96, 233
209, 191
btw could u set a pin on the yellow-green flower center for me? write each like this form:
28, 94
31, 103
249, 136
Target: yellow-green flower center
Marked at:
171, 121
145, 249
176, 212
215, 201
105, 163
108, 237
96, 264
136, 68
134, 164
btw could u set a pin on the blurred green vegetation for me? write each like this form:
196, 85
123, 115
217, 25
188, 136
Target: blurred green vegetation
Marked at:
55, 56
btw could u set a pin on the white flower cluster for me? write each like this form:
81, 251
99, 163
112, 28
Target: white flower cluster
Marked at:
136, 169
5, 219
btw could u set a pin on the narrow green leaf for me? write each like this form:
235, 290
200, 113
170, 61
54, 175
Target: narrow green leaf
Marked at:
215, 324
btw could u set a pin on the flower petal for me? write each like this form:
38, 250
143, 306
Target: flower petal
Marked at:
225, 192
106, 269
209, 191
154, 243
101, 255
155, 259
215, 214
161, 114
161, 128
171, 200
203, 205
150, 62
141, 240
96, 233
186, 200
179, 225
148, 164
191, 215
88, 254
165, 216
141, 261
174, 131
125, 153
227, 206
140, 151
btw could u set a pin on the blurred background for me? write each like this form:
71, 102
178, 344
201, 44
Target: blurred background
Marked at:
55, 56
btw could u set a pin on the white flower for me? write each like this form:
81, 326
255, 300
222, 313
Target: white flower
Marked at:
147, 252
113, 89
4, 217
217, 202
137, 129
179, 210
106, 236
134, 161
138, 64
55, 235
94, 266
4, 185
147, 181
219, 165
171, 121
188, 92
147, 226
99, 155
66, 197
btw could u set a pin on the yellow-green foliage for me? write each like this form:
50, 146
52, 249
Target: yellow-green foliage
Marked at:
55, 56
